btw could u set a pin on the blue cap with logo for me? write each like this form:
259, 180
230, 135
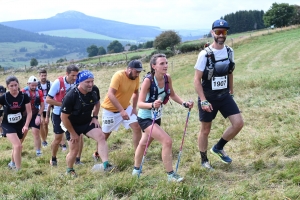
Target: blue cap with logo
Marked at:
220, 23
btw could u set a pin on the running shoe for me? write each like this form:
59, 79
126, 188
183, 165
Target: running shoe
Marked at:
71, 173
221, 155
63, 147
207, 166
110, 168
11, 165
44, 143
53, 163
175, 178
135, 172
79, 163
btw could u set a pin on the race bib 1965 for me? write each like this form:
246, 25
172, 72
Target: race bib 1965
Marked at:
108, 121
14, 118
218, 83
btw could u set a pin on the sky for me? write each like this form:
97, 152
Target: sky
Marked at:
166, 14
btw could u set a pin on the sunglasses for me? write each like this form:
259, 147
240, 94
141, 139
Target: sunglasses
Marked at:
219, 32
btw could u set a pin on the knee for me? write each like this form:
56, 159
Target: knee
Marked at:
18, 147
239, 125
167, 142
204, 132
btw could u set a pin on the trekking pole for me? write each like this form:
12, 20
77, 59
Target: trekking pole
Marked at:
179, 155
149, 136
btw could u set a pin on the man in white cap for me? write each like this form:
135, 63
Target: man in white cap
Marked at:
37, 107
79, 114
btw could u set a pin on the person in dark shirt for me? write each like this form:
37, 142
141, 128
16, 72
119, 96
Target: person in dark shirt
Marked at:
14, 126
79, 114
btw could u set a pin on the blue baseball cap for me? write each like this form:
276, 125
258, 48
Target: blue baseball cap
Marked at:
220, 23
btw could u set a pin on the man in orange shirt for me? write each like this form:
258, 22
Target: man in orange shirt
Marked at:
117, 109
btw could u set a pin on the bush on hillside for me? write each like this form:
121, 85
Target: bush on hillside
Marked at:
135, 57
184, 48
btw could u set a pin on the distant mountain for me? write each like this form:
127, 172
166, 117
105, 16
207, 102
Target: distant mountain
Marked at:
78, 20
109, 28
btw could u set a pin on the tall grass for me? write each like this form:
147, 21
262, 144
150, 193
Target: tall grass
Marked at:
265, 153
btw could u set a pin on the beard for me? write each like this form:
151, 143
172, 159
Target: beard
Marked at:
130, 76
219, 40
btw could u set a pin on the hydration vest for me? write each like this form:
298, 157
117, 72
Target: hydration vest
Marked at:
37, 100
12, 106
154, 90
210, 64
62, 90
47, 83
79, 102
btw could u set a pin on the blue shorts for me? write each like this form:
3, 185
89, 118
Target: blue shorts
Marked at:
145, 123
81, 129
226, 106
56, 124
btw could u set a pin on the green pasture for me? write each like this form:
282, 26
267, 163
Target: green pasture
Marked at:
265, 154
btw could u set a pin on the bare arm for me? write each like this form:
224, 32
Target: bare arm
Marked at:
113, 99
145, 87
29, 114
197, 84
96, 109
51, 101
42, 106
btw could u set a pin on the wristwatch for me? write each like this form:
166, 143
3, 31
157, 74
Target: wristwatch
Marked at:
96, 117
38, 115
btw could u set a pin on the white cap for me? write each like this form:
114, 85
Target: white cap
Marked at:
32, 79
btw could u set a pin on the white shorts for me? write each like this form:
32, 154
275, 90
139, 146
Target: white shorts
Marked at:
111, 121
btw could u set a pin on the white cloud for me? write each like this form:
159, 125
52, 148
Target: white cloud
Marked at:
167, 14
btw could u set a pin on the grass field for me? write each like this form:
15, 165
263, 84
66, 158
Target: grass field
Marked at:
265, 153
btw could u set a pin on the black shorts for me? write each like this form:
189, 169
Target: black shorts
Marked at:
44, 114
226, 106
81, 129
56, 124
9, 128
32, 122
145, 123
1, 113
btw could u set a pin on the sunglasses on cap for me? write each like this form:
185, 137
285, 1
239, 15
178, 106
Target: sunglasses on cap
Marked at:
219, 32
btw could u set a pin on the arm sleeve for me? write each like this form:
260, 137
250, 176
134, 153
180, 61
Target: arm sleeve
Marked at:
115, 81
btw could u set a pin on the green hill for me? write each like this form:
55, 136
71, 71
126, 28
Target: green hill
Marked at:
265, 153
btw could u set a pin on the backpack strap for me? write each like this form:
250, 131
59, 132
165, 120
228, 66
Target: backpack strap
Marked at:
48, 86
167, 89
39, 85
231, 64
153, 89
211, 62
62, 90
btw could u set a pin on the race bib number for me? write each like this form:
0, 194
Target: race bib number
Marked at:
218, 83
108, 121
63, 127
158, 113
14, 118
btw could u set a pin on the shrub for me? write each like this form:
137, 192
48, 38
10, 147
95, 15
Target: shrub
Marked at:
184, 48
135, 57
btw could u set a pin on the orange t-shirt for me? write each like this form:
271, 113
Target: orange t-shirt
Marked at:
125, 88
